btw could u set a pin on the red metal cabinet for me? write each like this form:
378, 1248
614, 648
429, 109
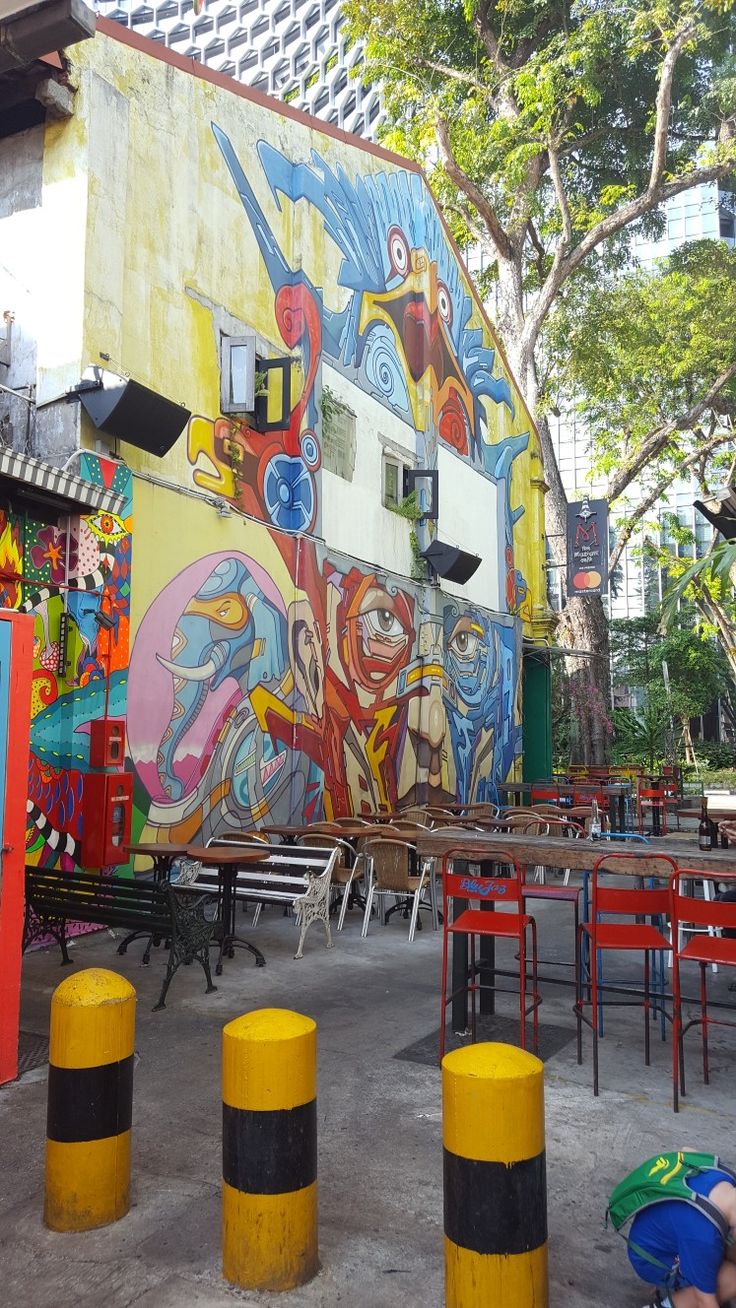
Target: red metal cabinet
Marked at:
107, 810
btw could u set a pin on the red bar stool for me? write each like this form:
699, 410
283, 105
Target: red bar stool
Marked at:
506, 890
638, 937
687, 913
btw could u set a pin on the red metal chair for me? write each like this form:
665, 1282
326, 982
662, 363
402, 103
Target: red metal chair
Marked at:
545, 794
704, 949
505, 889
564, 893
640, 937
654, 799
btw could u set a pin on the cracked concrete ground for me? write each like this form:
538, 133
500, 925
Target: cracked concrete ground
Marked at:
380, 1158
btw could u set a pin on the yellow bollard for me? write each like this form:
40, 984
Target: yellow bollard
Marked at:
90, 1101
269, 1150
495, 1184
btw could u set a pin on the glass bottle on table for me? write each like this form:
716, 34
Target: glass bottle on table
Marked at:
705, 837
595, 821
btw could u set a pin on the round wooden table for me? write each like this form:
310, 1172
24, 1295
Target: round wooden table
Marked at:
227, 859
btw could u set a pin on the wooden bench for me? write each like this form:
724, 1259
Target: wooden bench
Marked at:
293, 875
152, 908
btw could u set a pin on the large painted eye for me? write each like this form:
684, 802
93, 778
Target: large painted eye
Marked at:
382, 622
444, 303
464, 640
398, 251
107, 527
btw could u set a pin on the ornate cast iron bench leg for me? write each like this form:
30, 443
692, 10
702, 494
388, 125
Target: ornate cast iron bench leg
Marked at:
191, 938
36, 926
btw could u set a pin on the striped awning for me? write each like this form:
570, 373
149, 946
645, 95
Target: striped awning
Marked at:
51, 481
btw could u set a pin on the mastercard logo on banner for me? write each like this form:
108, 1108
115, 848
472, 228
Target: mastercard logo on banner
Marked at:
587, 580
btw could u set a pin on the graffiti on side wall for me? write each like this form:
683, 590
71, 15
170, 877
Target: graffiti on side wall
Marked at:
78, 566
403, 327
286, 682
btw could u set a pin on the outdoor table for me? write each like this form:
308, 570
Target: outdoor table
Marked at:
162, 855
716, 814
227, 859
580, 855
615, 792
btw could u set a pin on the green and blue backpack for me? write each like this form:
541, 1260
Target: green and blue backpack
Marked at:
666, 1177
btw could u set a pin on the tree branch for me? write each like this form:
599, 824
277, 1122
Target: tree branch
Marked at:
488, 38
457, 75
561, 197
633, 518
468, 187
540, 250
656, 193
657, 439
664, 105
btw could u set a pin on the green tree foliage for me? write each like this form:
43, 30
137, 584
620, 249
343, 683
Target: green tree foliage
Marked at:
698, 675
709, 586
649, 357
547, 129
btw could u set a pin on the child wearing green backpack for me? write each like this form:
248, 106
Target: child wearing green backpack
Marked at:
682, 1207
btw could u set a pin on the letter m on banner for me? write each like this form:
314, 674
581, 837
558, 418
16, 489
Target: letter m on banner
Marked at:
587, 547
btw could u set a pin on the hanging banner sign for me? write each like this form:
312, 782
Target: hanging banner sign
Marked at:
587, 547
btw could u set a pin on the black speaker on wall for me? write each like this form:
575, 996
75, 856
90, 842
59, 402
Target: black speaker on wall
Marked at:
132, 412
450, 562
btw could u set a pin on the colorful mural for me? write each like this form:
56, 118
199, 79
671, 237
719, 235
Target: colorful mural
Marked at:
407, 333
277, 685
280, 668
80, 569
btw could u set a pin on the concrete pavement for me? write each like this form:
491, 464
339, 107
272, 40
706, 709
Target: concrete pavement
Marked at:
379, 1120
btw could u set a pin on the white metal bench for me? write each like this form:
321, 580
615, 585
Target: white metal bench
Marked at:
296, 876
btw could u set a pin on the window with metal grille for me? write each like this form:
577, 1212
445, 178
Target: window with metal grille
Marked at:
338, 436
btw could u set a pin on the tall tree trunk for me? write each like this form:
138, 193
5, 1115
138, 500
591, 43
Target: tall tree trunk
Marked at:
583, 624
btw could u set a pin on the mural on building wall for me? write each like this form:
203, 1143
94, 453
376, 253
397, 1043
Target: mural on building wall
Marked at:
407, 333
80, 568
252, 701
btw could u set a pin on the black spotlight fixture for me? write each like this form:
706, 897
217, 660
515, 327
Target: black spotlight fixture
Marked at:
450, 562
130, 411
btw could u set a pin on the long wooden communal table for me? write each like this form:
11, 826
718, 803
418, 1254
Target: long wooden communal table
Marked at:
550, 851
519, 792
580, 855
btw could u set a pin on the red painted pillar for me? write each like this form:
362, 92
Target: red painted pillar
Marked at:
16, 667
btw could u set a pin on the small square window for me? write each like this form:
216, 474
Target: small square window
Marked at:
392, 483
237, 379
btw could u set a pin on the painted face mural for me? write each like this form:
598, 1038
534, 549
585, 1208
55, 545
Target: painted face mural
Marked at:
481, 658
371, 637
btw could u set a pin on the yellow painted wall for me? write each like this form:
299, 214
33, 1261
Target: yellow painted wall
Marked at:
272, 677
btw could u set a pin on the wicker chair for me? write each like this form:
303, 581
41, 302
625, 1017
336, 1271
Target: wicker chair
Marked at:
348, 869
416, 813
239, 838
390, 874
408, 830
